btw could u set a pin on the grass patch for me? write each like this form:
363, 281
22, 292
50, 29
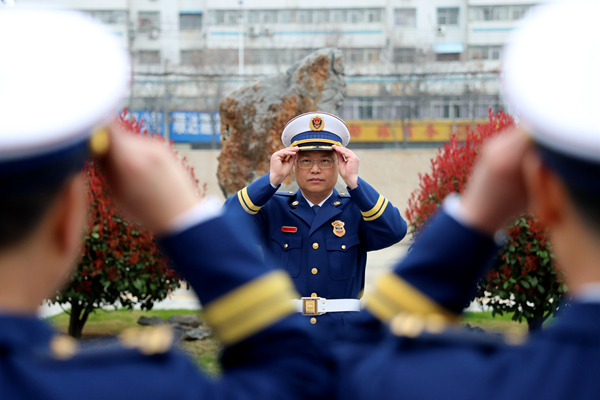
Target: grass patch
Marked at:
498, 323
204, 353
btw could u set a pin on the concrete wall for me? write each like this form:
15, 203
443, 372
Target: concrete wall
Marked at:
394, 173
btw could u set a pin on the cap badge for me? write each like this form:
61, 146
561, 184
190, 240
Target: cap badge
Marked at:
316, 123
338, 228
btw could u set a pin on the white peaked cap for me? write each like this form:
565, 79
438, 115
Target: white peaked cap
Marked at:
61, 75
551, 76
315, 131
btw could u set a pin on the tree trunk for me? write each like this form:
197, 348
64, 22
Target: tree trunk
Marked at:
77, 320
535, 324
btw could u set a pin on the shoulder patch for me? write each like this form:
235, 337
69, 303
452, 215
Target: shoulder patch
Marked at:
286, 194
345, 195
148, 341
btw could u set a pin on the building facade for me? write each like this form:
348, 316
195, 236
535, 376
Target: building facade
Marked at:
405, 60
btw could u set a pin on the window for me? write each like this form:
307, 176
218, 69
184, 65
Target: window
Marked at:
373, 55
109, 16
406, 17
232, 17
484, 52
356, 16
374, 15
217, 17
253, 17
517, 12
269, 17
497, 13
320, 16
355, 56
404, 55
285, 16
304, 17
447, 57
191, 57
148, 20
365, 108
190, 21
148, 57
339, 16
447, 16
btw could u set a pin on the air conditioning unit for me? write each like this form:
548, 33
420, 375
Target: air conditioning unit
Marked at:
253, 31
154, 34
441, 30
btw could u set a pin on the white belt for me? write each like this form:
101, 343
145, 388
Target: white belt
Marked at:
320, 305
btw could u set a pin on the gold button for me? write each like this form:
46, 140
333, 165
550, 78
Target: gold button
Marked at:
313, 295
343, 246
337, 203
313, 320
295, 203
291, 192
315, 245
285, 246
342, 194
314, 271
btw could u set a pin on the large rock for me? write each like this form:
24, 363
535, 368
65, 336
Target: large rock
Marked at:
253, 117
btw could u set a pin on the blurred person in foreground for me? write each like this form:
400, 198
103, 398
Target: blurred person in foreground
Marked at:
48, 111
407, 345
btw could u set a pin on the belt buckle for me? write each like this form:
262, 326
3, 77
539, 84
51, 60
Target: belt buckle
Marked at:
310, 306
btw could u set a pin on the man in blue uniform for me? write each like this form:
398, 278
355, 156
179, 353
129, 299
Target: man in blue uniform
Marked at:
319, 236
406, 345
48, 111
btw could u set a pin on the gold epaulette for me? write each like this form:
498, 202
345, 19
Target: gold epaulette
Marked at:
251, 307
393, 295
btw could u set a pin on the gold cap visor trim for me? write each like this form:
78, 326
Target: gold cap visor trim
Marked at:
251, 307
393, 295
330, 142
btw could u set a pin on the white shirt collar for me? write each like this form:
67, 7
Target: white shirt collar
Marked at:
320, 204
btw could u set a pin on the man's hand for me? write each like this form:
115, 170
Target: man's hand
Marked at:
495, 191
148, 181
282, 162
348, 166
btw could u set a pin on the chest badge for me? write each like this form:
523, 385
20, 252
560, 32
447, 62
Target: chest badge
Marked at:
290, 229
338, 228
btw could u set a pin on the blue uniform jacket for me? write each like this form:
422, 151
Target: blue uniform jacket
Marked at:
321, 258
405, 345
325, 254
248, 309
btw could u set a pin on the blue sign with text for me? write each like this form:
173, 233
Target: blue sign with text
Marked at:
154, 121
195, 126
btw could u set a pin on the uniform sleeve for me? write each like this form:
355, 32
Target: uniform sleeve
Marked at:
253, 197
248, 305
438, 276
384, 224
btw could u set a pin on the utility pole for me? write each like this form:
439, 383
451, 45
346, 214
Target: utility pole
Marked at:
241, 42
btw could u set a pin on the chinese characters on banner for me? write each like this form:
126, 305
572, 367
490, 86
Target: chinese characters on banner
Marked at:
195, 126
